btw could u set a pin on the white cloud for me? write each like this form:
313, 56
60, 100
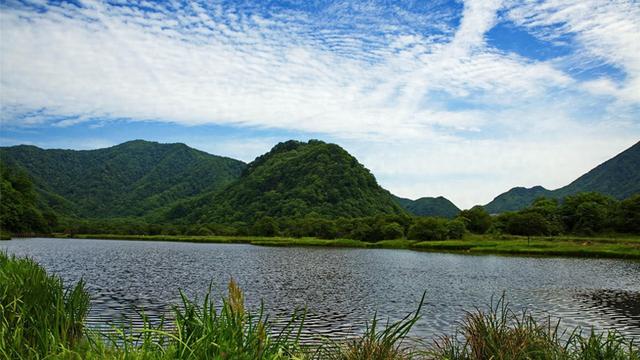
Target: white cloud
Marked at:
400, 92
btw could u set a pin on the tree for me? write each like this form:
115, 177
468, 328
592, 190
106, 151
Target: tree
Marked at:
586, 212
392, 231
429, 228
455, 229
628, 215
527, 223
477, 219
590, 218
266, 226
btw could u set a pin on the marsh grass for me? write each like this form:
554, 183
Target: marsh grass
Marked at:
386, 342
503, 334
39, 316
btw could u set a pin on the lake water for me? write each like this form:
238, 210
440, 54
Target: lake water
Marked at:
341, 288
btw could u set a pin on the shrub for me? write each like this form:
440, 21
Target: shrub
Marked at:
392, 231
476, 219
429, 228
455, 229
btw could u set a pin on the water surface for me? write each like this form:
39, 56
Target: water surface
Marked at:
341, 288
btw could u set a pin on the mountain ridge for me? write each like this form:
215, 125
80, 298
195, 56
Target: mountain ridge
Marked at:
618, 177
129, 179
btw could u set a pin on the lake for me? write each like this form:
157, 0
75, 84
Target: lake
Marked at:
341, 288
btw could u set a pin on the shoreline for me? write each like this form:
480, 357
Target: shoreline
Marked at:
578, 247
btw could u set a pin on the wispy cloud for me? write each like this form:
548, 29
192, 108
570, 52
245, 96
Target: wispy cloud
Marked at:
422, 76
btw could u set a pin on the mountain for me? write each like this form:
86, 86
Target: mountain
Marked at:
294, 179
516, 199
618, 177
130, 179
429, 206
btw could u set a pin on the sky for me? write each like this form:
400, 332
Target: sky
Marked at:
462, 99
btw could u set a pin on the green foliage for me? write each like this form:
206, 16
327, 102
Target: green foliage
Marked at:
586, 213
456, 229
515, 199
429, 228
476, 219
38, 316
392, 231
293, 180
267, 226
131, 179
429, 206
19, 210
628, 215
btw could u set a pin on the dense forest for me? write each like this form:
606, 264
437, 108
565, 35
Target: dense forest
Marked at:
293, 180
20, 210
128, 180
297, 189
618, 177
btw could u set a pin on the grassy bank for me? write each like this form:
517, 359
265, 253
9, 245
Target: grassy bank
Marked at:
40, 319
627, 247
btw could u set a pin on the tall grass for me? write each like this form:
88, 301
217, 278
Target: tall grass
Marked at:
38, 315
503, 334
385, 343
200, 331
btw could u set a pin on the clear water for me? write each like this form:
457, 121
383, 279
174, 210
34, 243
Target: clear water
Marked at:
341, 288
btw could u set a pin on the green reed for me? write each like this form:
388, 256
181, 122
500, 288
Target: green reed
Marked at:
38, 315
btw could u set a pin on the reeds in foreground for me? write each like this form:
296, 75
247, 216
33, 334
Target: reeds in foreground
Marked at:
38, 316
502, 334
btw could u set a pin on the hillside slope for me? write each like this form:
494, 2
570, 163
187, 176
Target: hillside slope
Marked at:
429, 206
618, 177
294, 179
130, 179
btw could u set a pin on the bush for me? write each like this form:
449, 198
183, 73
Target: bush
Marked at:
477, 219
429, 228
392, 231
267, 226
455, 229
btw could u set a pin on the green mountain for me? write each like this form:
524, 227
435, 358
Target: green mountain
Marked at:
516, 199
130, 179
618, 177
429, 206
294, 179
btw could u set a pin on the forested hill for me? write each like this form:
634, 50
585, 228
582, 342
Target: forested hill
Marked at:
618, 177
516, 199
429, 206
294, 179
130, 179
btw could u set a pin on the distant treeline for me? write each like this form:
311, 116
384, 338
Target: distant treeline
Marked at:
581, 214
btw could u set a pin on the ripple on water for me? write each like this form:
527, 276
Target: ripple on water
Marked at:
341, 289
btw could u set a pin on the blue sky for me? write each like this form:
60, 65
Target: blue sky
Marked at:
464, 99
